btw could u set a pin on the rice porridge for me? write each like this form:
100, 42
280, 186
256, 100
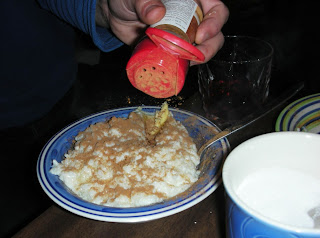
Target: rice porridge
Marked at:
113, 163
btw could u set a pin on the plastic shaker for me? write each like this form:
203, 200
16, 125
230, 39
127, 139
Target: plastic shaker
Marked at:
160, 62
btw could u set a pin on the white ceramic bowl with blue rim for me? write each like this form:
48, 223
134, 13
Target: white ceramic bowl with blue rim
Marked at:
289, 150
199, 128
301, 115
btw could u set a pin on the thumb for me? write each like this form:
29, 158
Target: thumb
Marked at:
150, 11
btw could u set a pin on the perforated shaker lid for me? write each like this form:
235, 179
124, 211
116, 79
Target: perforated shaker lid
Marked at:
155, 71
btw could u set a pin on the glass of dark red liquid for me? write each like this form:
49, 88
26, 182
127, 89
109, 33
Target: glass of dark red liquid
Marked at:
235, 82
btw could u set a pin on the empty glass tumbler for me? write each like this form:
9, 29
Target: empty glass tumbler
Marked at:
235, 82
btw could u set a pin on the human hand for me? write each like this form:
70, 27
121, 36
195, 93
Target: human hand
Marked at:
128, 20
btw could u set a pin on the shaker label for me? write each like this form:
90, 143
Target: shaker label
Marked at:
179, 13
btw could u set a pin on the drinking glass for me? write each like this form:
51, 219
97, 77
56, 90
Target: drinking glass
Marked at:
235, 82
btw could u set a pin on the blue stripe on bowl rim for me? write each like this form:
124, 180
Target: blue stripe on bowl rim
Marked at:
128, 217
123, 214
313, 124
292, 117
79, 202
84, 211
280, 123
306, 115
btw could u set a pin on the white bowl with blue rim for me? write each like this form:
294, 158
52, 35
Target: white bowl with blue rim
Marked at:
286, 150
301, 115
199, 128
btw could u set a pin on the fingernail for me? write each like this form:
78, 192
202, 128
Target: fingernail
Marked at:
156, 15
150, 8
211, 13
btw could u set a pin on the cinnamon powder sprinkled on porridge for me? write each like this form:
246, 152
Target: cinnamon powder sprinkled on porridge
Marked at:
113, 164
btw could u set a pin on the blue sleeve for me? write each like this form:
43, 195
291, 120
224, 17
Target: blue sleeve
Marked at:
81, 14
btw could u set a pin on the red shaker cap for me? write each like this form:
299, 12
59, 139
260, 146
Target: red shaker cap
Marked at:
174, 45
155, 71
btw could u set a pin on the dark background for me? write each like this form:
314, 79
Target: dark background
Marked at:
290, 26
